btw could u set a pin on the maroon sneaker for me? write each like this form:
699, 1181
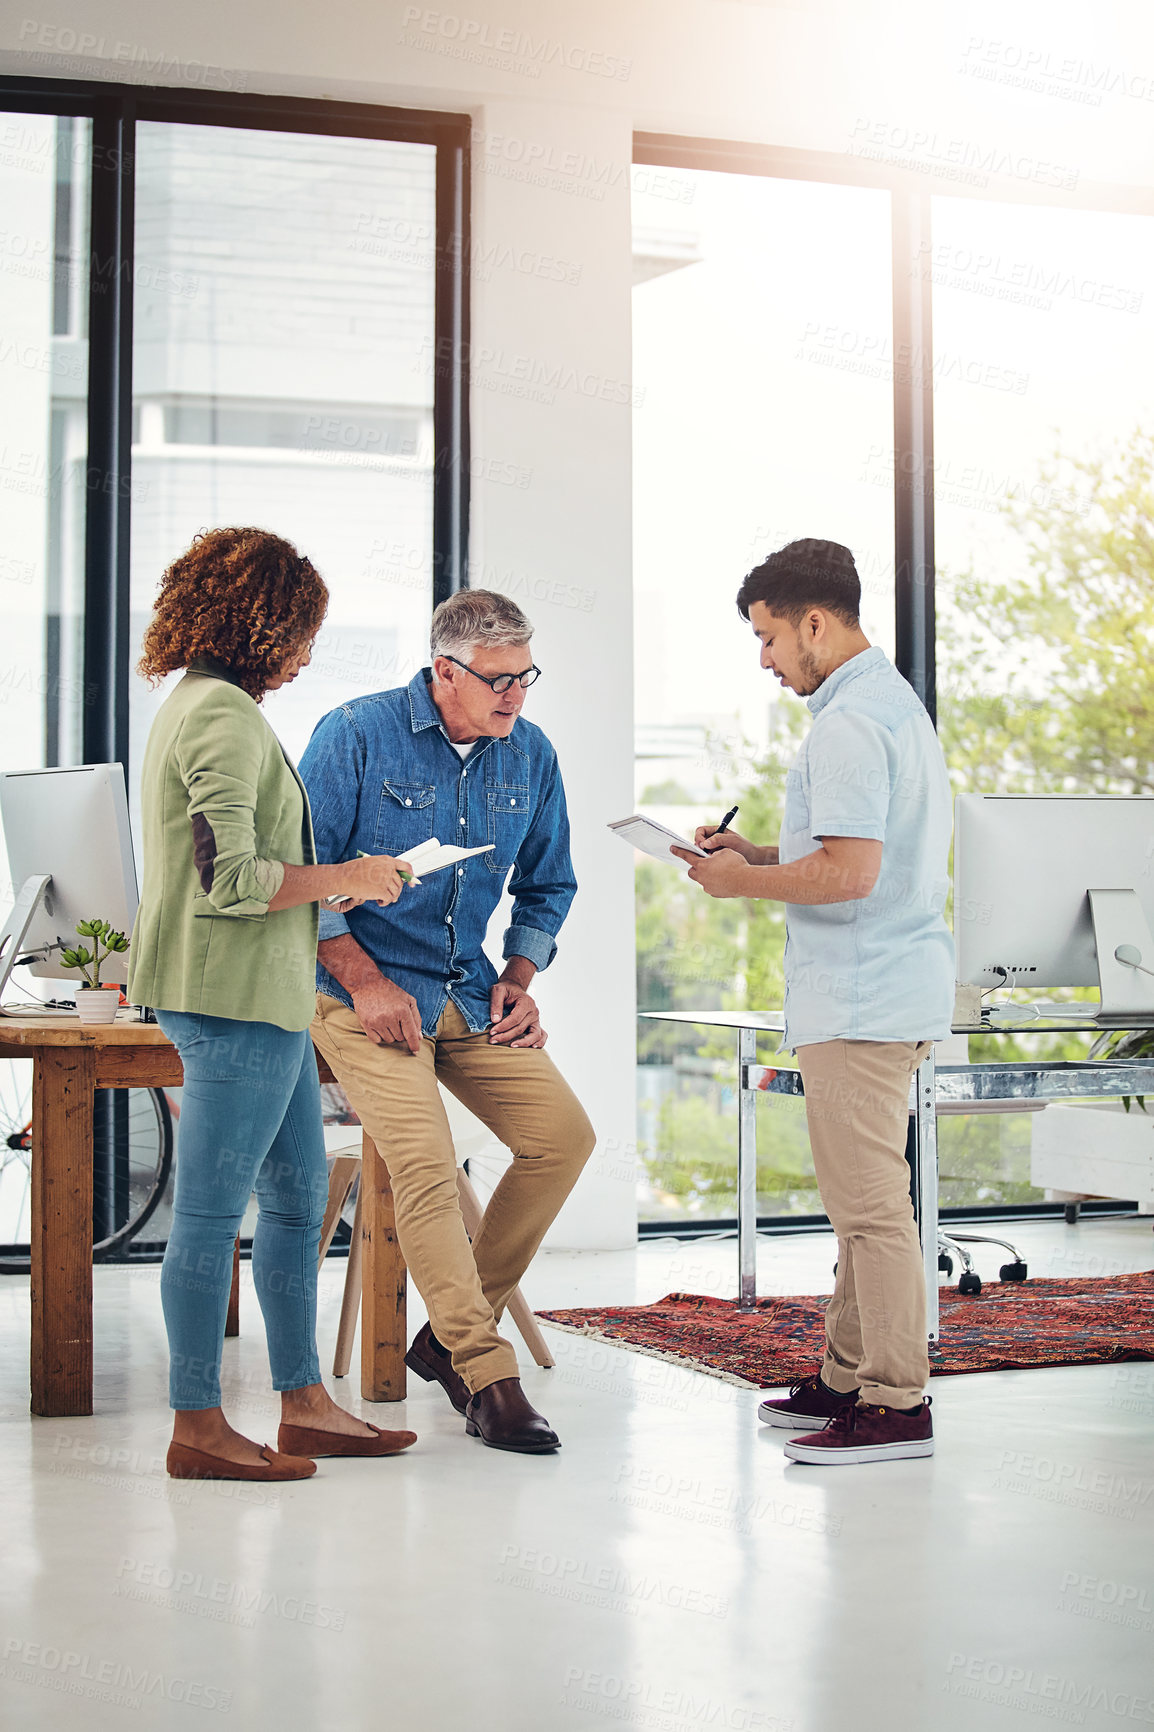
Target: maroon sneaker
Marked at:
807, 1407
864, 1433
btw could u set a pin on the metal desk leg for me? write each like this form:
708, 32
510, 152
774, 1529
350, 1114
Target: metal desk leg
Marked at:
746, 1174
926, 1181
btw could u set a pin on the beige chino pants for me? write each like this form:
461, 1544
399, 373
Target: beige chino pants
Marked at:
521, 1096
857, 1106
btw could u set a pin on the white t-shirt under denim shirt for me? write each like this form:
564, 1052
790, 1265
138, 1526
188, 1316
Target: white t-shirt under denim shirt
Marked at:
881, 968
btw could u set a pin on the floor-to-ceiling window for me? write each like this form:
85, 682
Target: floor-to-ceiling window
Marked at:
214, 310
762, 317
1043, 483
779, 344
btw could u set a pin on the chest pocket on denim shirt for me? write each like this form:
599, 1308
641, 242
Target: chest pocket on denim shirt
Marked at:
405, 817
508, 820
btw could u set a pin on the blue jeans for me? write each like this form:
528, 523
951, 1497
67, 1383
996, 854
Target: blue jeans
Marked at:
250, 1120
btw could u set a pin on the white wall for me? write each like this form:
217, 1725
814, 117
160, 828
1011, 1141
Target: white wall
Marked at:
567, 534
555, 89
1057, 80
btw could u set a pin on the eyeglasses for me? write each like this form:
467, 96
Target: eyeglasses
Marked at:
502, 682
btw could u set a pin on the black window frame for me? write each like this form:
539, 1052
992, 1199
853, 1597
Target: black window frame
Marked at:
115, 110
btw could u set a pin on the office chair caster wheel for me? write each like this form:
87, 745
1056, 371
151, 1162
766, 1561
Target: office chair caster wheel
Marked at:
1012, 1271
970, 1283
945, 1264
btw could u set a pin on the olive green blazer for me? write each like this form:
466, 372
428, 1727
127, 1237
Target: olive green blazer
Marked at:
222, 807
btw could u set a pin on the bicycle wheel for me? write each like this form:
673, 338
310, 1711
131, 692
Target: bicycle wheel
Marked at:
132, 1160
15, 1161
147, 1135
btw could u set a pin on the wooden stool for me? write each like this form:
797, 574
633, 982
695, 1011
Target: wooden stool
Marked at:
344, 1173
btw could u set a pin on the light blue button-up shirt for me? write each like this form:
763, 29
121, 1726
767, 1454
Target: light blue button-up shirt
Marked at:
881, 968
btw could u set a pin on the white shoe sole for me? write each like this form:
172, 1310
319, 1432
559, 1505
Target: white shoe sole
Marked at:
770, 1415
797, 1450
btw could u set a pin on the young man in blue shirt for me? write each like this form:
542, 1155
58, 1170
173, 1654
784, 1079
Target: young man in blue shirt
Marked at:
869, 972
407, 997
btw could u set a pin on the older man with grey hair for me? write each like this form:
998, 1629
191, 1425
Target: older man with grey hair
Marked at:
407, 997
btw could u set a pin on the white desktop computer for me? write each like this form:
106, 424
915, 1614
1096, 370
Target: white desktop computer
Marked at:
1057, 890
69, 858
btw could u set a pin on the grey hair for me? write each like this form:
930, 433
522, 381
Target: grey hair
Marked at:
476, 619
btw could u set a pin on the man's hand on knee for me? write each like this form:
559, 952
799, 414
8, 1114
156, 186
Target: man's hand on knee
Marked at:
388, 1014
516, 1021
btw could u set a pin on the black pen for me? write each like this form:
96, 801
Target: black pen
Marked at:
726, 821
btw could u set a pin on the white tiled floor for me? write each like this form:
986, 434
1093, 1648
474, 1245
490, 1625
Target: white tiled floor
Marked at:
666, 1570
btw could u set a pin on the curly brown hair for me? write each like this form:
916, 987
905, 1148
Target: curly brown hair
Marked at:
245, 597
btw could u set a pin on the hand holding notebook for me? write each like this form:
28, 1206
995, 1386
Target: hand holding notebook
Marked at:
432, 856
426, 857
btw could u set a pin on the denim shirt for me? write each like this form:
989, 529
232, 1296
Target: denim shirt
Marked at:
382, 776
881, 968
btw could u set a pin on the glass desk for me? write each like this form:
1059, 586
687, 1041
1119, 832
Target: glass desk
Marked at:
934, 1085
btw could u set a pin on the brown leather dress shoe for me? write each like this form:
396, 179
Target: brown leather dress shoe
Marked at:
434, 1363
306, 1440
184, 1462
501, 1416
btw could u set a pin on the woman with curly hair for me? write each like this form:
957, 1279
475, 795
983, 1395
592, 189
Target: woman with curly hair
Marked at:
224, 950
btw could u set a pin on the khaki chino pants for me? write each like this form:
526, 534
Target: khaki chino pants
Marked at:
524, 1100
857, 1106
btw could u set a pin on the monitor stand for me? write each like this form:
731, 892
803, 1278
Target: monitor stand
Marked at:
32, 893
1125, 958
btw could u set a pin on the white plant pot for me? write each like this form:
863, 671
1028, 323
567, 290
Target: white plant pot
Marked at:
96, 1004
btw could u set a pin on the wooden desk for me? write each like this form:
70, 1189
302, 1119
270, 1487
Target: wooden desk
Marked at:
70, 1061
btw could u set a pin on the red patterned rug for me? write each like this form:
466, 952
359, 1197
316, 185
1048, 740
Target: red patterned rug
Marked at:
1009, 1326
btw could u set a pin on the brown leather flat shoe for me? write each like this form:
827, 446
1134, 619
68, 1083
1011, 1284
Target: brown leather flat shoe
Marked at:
184, 1462
306, 1440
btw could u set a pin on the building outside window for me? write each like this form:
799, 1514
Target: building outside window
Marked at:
44, 176
284, 304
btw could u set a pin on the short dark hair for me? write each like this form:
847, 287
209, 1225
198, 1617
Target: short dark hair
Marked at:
801, 575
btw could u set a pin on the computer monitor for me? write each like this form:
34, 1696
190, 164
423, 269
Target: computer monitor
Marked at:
69, 859
1057, 890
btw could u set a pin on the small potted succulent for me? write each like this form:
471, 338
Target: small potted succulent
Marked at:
95, 1003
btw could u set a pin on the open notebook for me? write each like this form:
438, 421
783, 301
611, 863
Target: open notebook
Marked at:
432, 855
426, 857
